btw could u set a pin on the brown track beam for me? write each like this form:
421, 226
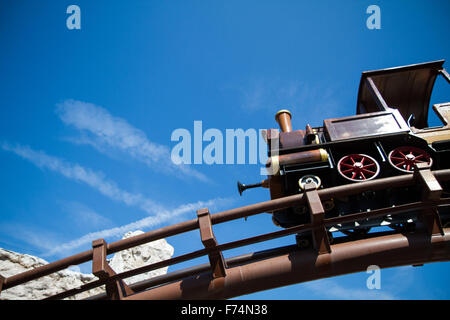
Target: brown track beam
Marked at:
224, 216
306, 265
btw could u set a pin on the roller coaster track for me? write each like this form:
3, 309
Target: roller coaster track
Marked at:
226, 278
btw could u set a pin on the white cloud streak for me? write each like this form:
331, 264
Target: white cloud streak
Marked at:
307, 102
95, 180
148, 222
82, 215
331, 289
100, 129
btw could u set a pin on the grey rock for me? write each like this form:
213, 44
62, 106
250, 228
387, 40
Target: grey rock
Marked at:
12, 263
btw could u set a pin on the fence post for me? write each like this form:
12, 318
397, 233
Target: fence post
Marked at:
317, 213
432, 191
218, 266
115, 289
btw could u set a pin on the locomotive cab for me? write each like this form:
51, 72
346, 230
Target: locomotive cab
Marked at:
388, 136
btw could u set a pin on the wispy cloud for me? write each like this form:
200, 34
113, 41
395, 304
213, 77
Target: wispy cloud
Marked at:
82, 215
332, 289
34, 236
94, 179
159, 213
49, 244
142, 224
307, 101
102, 130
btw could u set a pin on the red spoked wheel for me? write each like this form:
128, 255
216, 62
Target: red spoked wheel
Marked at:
358, 167
405, 158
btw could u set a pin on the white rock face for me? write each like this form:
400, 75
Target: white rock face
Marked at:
12, 263
142, 255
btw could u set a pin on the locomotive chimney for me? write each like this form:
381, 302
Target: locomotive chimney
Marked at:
283, 117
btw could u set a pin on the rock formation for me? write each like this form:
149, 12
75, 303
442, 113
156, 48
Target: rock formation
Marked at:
12, 263
142, 255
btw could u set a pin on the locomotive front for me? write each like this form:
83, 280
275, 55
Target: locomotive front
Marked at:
388, 136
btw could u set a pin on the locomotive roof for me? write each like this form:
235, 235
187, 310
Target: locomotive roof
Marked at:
406, 88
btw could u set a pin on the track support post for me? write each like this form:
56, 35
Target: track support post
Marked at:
432, 191
115, 289
216, 260
319, 232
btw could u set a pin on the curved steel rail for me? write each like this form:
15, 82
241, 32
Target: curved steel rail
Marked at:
224, 274
306, 265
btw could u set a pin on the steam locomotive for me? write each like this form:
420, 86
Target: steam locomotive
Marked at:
388, 136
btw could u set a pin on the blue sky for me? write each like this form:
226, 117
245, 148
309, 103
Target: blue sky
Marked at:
87, 115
